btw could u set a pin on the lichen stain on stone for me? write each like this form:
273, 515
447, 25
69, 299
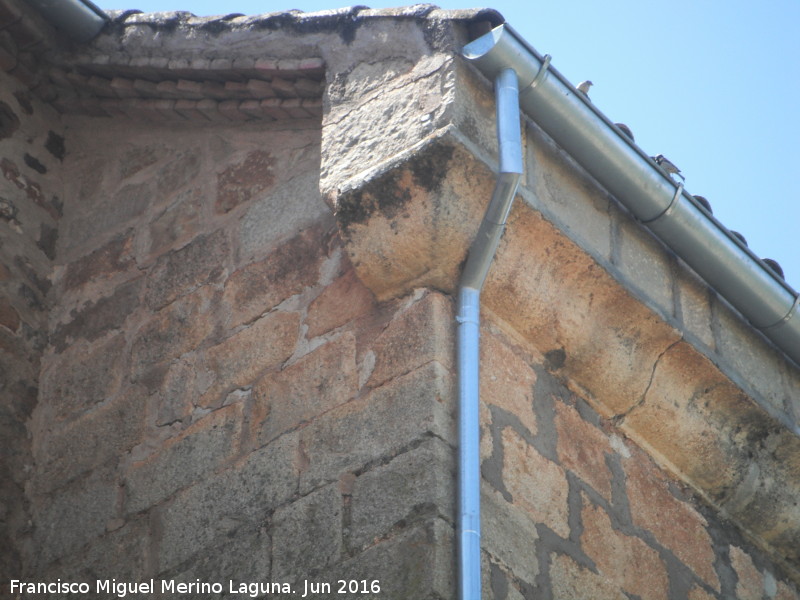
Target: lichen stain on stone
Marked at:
242, 182
390, 193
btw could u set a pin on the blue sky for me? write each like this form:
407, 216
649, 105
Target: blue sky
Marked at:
712, 85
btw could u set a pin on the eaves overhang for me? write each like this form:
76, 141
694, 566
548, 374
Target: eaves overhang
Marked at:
632, 176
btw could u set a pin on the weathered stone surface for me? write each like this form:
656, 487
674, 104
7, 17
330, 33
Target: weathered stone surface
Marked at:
749, 581
622, 559
179, 172
566, 196
199, 450
242, 358
537, 486
675, 524
107, 214
79, 512
416, 563
416, 485
309, 387
570, 580
559, 298
509, 535
687, 414
100, 559
260, 286
412, 215
342, 301
96, 318
242, 494
105, 262
100, 436
9, 317
645, 265
506, 380
177, 329
308, 533
379, 424
177, 273
582, 448
177, 224
694, 305
83, 376
419, 334
292, 206
239, 183
243, 558
754, 361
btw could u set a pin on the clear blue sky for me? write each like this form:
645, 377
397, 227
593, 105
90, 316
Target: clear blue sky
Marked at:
713, 85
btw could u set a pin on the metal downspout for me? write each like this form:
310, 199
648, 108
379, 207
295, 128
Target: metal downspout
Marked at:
479, 259
80, 19
625, 170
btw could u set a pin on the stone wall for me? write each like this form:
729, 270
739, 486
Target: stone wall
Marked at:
31, 151
574, 509
221, 397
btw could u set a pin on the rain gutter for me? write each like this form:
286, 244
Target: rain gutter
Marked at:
479, 259
79, 19
680, 221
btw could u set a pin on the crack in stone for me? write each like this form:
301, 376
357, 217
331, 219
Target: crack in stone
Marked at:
618, 420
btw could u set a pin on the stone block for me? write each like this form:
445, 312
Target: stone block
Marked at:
96, 318
242, 358
582, 448
243, 558
417, 563
104, 263
644, 262
622, 559
177, 394
100, 436
177, 329
686, 418
418, 484
181, 171
751, 358
293, 206
179, 272
82, 376
570, 580
251, 178
675, 524
567, 195
177, 224
307, 535
206, 514
111, 215
288, 270
694, 305
79, 513
537, 486
411, 213
506, 380
509, 536
316, 383
342, 301
199, 450
559, 299
749, 580
421, 333
378, 425
101, 559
